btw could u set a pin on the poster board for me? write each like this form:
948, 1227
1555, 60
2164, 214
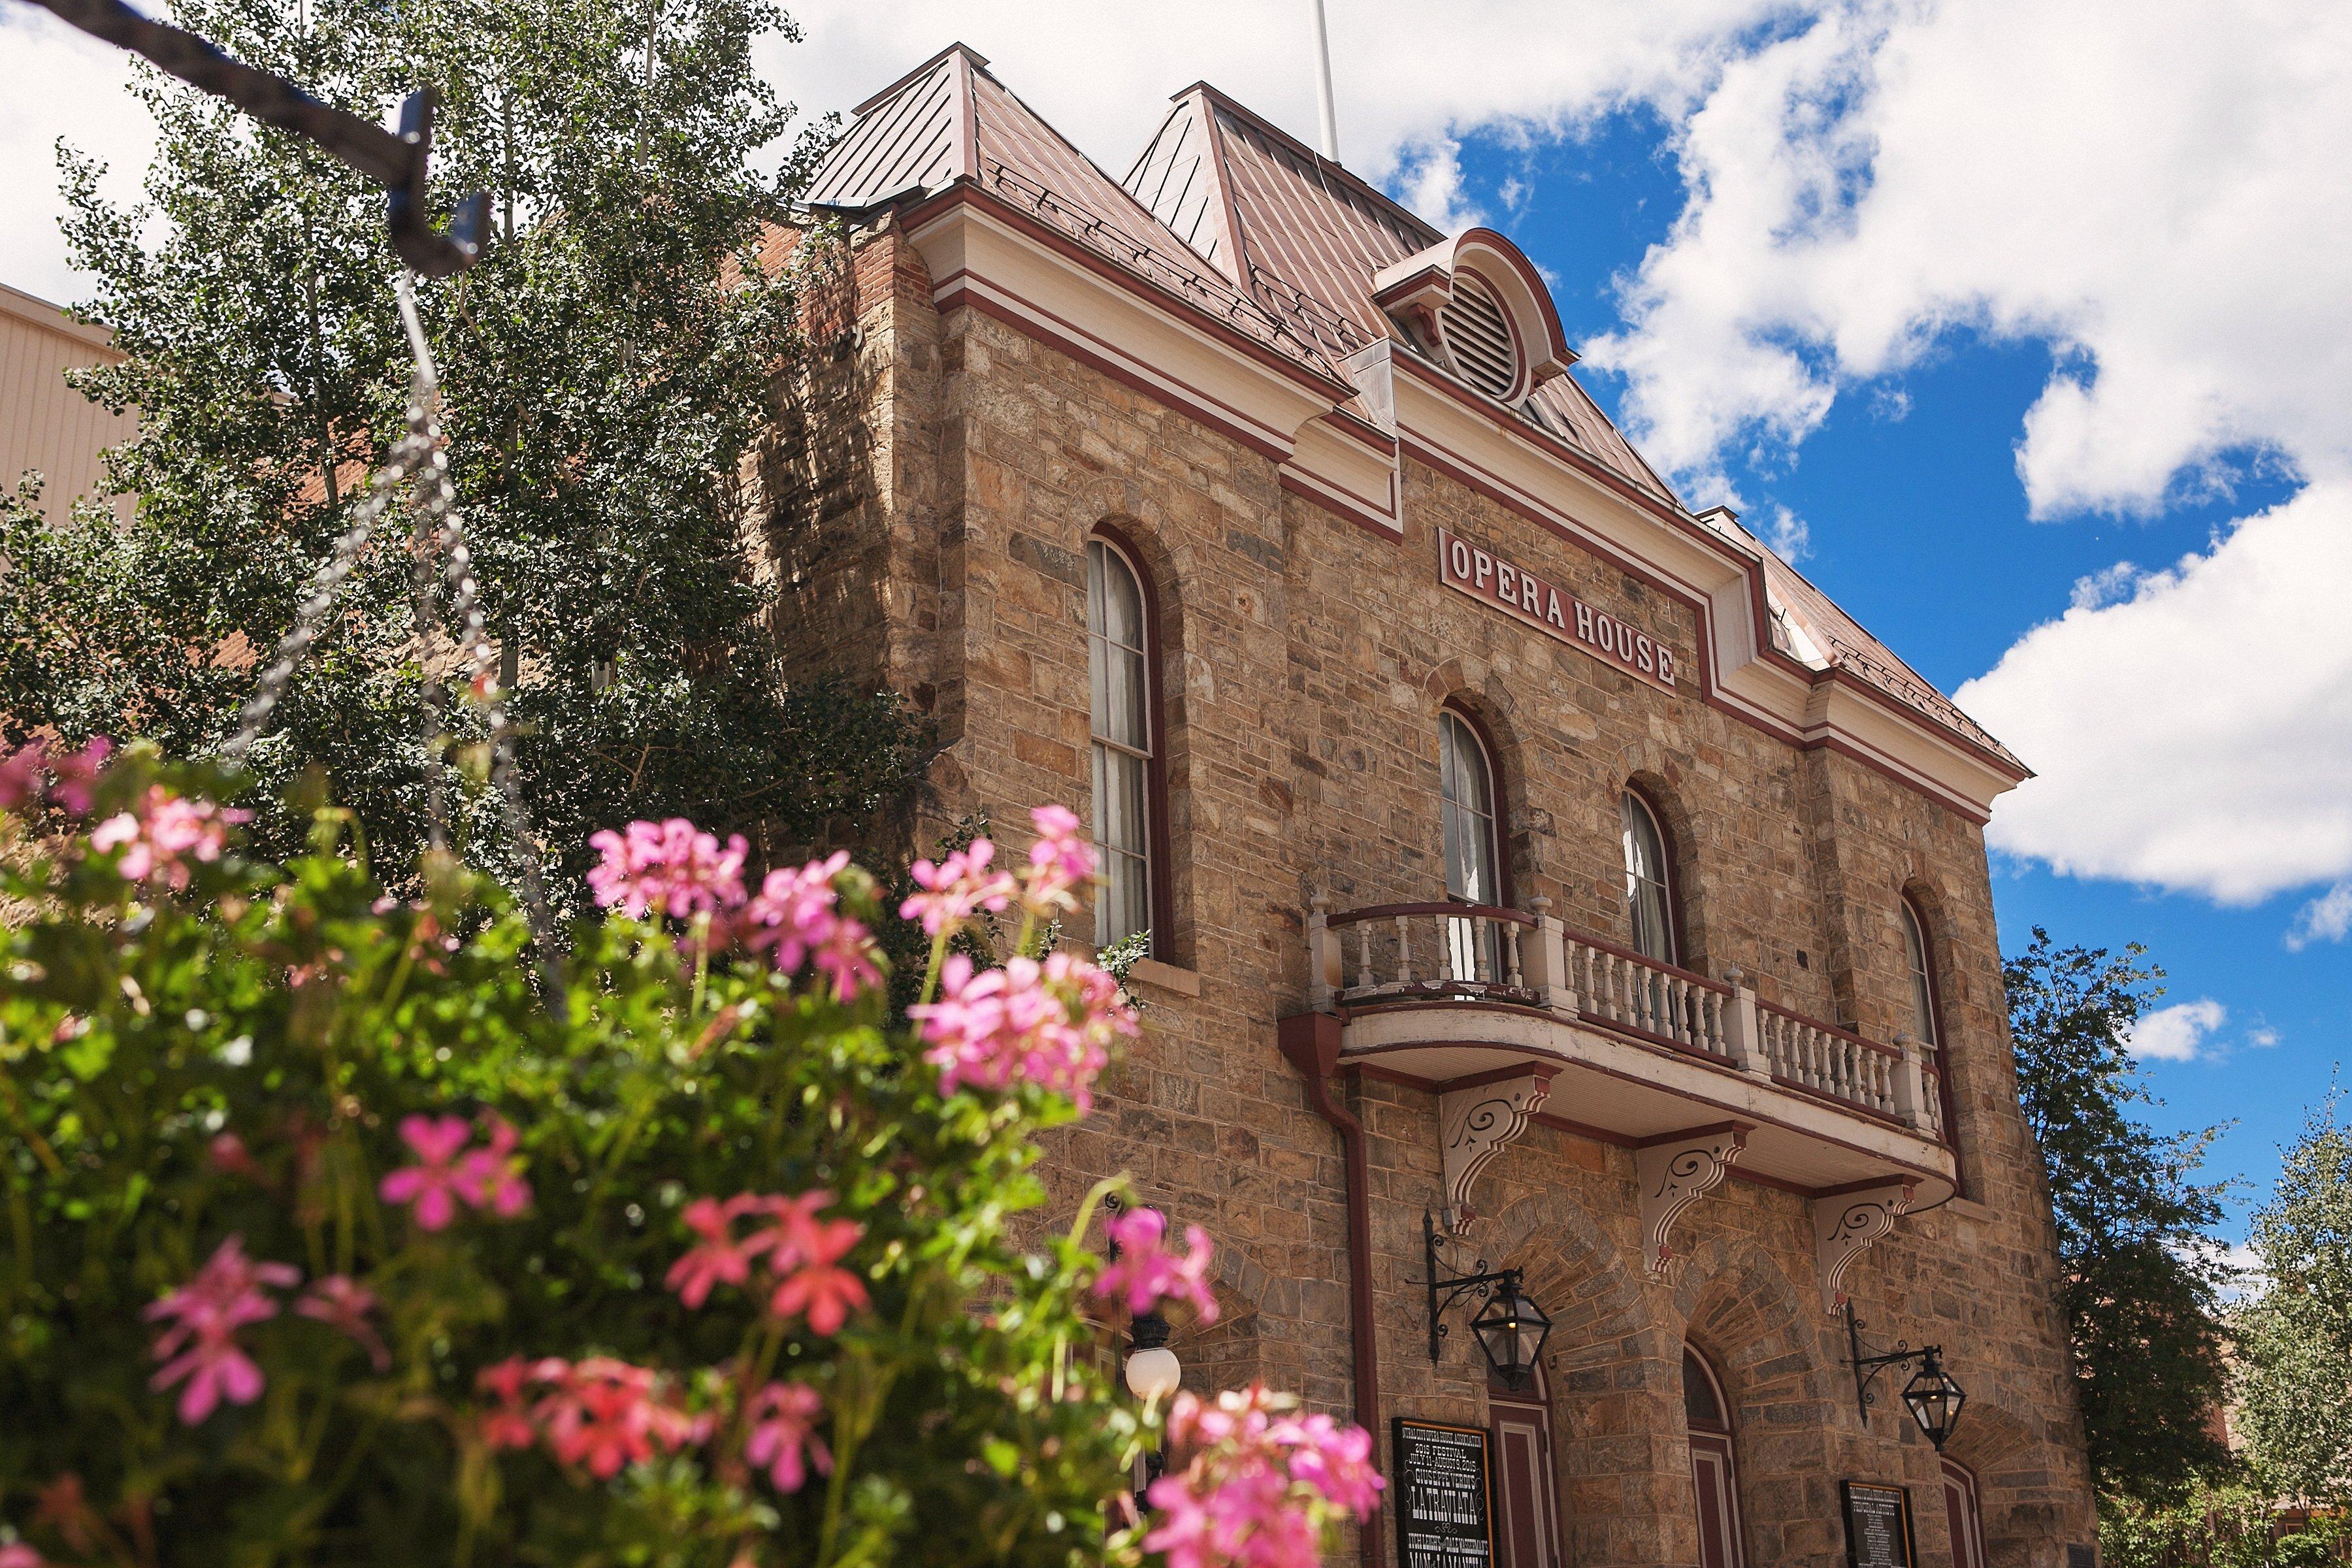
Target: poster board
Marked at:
1444, 1496
1877, 1525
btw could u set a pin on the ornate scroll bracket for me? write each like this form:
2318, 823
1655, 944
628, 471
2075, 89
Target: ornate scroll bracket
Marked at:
1674, 1174
1474, 1124
1845, 1226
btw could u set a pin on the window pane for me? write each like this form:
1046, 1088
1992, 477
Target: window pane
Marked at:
1646, 893
1117, 673
1467, 812
1122, 836
1923, 994
1700, 1406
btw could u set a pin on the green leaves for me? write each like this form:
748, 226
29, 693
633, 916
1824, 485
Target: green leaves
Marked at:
2295, 1338
2141, 1272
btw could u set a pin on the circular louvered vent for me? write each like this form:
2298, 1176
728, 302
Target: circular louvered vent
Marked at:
1478, 338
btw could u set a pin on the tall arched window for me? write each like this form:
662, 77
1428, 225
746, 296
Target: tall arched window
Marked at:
1472, 850
1923, 976
1119, 664
1649, 882
1715, 1476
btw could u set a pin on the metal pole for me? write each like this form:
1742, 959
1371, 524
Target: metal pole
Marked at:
1323, 84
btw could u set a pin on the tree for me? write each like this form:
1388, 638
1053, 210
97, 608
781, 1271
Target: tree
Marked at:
2294, 1339
609, 366
324, 1241
2142, 1269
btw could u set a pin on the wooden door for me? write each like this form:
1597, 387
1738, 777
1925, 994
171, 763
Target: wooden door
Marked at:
1962, 1514
1527, 1532
1718, 1500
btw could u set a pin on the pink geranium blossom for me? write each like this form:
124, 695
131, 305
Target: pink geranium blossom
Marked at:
77, 776
200, 1347
1144, 1273
1060, 862
605, 1413
342, 1303
1048, 1024
805, 1253
447, 1172
796, 913
720, 1258
672, 867
784, 1434
956, 888
509, 1424
162, 835
17, 1555
20, 779
76, 773
1257, 1483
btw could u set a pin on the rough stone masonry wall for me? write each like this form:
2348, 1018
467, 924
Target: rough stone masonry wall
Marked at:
1305, 664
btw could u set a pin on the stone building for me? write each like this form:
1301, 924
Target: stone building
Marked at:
1537, 875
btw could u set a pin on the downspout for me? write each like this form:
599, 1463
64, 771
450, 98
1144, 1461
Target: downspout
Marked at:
1311, 1042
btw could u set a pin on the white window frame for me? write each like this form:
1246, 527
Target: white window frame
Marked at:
1116, 858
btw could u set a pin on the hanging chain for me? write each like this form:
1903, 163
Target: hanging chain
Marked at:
420, 456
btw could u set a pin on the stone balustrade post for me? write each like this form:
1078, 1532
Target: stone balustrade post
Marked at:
1743, 1033
1323, 959
1544, 962
1911, 1082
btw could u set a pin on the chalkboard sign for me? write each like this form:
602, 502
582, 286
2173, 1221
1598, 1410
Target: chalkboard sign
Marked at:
1877, 1526
1443, 1498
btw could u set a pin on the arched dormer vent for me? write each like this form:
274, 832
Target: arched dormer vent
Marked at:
1481, 303
1478, 338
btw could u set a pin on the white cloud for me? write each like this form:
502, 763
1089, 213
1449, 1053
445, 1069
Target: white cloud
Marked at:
2109, 585
2177, 1033
2197, 733
2327, 918
61, 82
1791, 536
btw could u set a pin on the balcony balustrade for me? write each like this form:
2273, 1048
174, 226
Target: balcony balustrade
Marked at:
1443, 994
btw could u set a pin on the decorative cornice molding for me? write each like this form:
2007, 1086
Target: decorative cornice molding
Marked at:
1673, 1175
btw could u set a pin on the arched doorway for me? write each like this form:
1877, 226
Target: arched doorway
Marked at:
1963, 1514
1715, 1475
1527, 1496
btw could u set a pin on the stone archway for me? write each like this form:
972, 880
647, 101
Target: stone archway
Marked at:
1761, 1334
2023, 1504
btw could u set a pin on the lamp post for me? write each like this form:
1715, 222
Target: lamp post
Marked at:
1931, 1396
1509, 1327
1150, 1372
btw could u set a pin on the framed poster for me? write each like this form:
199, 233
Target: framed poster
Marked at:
1877, 1526
1444, 1497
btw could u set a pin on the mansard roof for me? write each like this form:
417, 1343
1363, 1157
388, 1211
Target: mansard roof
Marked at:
1242, 223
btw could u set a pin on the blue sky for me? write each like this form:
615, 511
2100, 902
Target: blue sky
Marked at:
1917, 522
2027, 328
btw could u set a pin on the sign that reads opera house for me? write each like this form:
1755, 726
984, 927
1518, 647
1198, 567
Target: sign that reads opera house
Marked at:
1513, 588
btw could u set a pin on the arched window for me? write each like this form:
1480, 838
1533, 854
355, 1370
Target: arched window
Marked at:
1714, 1474
1923, 976
1964, 1516
1472, 851
1120, 663
1649, 882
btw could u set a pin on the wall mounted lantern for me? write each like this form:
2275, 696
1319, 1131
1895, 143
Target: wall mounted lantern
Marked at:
1931, 1396
1509, 1327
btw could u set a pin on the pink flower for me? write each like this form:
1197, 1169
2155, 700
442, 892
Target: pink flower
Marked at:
805, 1252
510, 1425
447, 1172
784, 1434
163, 835
1059, 861
76, 775
956, 888
1048, 1024
720, 1259
1257, 1487
673, 867
341, 1303
490, 1177
435, 1182
1335, 1460
794, 912
201, 1345
17, 1555
20, 778
606, 1413
1144, 1273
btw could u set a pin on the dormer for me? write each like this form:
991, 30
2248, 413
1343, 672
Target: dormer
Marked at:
1478, 303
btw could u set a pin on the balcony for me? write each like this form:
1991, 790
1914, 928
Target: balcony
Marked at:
1459, 997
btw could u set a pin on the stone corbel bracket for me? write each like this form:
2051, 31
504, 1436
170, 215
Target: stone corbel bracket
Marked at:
1674, 1173
1474, 1124
1845, 1226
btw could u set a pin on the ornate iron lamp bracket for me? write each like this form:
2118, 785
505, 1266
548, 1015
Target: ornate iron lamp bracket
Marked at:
1444, 1290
